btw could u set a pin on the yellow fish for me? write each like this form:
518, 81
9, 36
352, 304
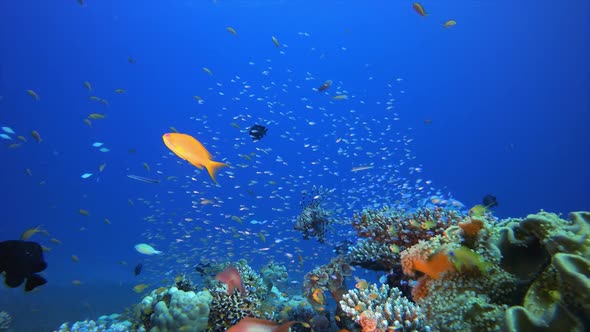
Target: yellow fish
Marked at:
419, 9
478, 211
32, 231
33, 94
449, 23
96, 116
232, 31
139, 288
36, 136
191, 150
340, 97
318, 296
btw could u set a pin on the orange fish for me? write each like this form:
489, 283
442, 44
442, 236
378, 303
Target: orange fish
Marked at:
249, 324
419, 9
191, 150
231, 277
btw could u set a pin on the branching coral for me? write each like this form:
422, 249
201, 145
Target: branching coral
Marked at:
381, 309
327, 277
527, 275
228, 309
273, 274
390, 231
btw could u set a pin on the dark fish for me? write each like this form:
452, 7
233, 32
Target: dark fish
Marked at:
138, 268
489, 201
257, 132
343, 247
142, 179
21, 260
325, 86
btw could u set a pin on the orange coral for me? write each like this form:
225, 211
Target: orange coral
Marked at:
435, 265
471, 227
368, 321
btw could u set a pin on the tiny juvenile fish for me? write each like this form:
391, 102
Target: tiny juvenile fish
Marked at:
33, 94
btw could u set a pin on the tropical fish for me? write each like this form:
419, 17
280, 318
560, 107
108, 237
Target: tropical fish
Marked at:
6, 137
96, 116
275, 41
257, 132
340, 97
87, 85
142, 179
8, 130
249, 324
207, 70
140, 288
33, 94
86, 175
231, 277
36, 136
318, 296
361, 168
32, 231
120, 91
232, 31
137, 269
146, 249
20, 261
190, 149
478, 211
325, 86
489, 201
449, 23
419, 9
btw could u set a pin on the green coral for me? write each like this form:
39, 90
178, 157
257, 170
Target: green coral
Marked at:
536, 275
171, 309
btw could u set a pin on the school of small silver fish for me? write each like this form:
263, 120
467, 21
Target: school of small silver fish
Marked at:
328, 138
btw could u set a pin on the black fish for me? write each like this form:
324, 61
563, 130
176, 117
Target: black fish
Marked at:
138, 268
257, 132
22, 260
489, 201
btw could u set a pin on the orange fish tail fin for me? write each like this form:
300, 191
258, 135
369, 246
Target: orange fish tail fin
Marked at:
212, 167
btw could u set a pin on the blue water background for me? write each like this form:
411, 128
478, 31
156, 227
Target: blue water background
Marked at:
506, 90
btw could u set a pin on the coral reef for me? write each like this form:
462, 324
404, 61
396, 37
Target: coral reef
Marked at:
381, 309
329, 277
527, 274
227, 309
273, 274
5, 320
171, 309
109, 323
389, 231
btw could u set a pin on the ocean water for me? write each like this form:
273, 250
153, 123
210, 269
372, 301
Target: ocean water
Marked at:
497, 104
